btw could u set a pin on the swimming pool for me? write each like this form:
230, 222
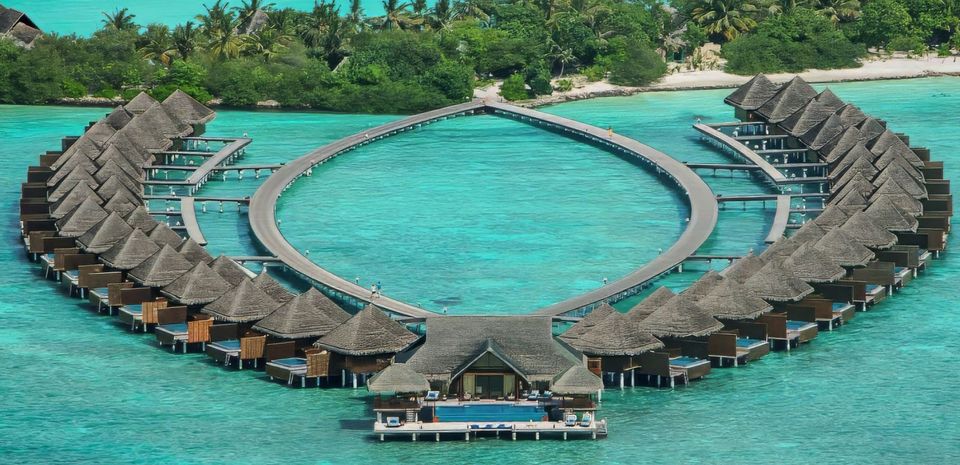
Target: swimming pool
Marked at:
489, 412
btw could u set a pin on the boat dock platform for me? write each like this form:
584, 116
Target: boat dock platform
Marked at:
512, 429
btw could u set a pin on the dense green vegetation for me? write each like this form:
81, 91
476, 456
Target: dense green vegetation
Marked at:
417, 57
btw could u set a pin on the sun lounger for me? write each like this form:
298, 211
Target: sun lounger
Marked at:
571, 420
394, 422
586, 421
432, 396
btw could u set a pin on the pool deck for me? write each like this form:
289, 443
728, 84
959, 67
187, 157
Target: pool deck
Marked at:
466, 430
703, 204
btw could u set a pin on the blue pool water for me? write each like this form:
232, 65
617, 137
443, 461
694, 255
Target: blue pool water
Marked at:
77, 387
685, 361
490, 412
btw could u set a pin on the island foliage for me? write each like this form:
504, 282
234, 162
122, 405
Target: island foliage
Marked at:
419, 56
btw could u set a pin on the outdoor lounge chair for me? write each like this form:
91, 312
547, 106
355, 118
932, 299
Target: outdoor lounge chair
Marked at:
394, 422
587, 420
571, 420
432, 396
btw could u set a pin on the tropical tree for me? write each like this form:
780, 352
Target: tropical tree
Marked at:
564, 56
323, 31
185, 37
249, 8
266, 43
120, 19
219, 25
355, 16
158, 44
725, 18
839, 11
465, 9
396, 16
440, 16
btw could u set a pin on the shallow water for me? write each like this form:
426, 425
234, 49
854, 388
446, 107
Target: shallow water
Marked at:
79, 388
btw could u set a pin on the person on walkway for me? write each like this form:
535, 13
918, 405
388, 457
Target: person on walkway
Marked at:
610, 132
373, 292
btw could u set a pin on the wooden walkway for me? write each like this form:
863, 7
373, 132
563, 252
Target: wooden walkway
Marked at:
768, 170
780, 219
703, 205
189, 214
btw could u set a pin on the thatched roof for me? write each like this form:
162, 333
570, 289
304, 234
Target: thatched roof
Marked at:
850, 115
586, 323
830, 100
820, 135
809, 232
82, 218
871, 129
165, 123
130, 252
84, 145
680, 317
731, 301
163, 235
141, 218
893, 155
753, 93
114, 184
808, 116
858, 159
229, 270
198, 286
310, 314
905, 202
777, 284
856, 181
369, 332
840, 145
120, 203
76, 176
844, 250
105, 234
185, 108
863, 229
160, 268
616, 335
888, 215
831, 217
131, 149
577, 380
274, 289
79, 159
898, 174
146, 133
110, 170
194, 252
650, 304
129, 167
398, 377
140, 103
791, 97
75, 197
454, 343
118, 118
813, 265
742, 269
240, 304
99, 133
853, 198
703, 285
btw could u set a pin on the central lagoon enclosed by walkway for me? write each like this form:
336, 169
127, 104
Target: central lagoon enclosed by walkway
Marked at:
78, 387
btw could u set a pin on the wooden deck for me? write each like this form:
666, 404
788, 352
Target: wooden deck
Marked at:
699, 196
189, 214
467, 430
780, 219
739, 148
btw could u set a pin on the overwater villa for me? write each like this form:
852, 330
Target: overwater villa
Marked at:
885, 216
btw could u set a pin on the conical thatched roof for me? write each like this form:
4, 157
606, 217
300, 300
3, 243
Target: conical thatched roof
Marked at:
813, 265
905, 202
76, 176
131, 150
742, 269
898, 174
84, 145
753, 93
145, 133
781, 249
140, 103
75, 197
118, 118
73, 162
650, 304
120, 204
820, 135
888, 215
194, 252
844, 250
100, 133
105, 234
862, 228
586, 323
616, 335
129, 167
400, 378
186, 109
871, 129
310, 314
839, 146
110, 170
141, 218
680, 317
791, 97
164, 123
114, 184
831, 217
808, 116
369, 332
198, 286
850, 115
809, 232
857, 181
577, 380
777, 284
830, 100
163, 235
274, 289
229, 270
731, 301
893, 156
82, 218
130, 252
851, 199
857, 160
703, 285
240, 304
160, 268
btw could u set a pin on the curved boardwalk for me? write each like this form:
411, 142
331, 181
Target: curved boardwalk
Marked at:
769, 171
703, 205
189, 214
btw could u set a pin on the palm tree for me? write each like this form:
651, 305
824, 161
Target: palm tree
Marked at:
249, 8
323, 31
396, 15
283, 21
158, 45
355, 16
219, 26
266, 43
120, 20
441, 15
839, 10
466, 9
725, 18
185, 39
564, 56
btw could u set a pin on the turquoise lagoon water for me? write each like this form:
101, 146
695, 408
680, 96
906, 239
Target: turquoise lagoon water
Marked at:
79, 388
83, 17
